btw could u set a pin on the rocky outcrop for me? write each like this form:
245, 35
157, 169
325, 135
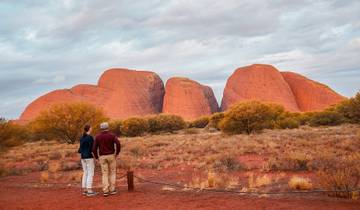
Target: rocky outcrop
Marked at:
265, 83
311, 95
258, 82
188, 98
121, 93
135, 93
124, 93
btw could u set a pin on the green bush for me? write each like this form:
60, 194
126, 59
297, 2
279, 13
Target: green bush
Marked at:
248, 117
11, 134
201, 122
134, 127
165, 123
215, 119
304, 118
288, 123
287, 120
329, 118
350, 109
65, 121
115, 126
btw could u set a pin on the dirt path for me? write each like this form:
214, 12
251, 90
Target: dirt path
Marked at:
148, 197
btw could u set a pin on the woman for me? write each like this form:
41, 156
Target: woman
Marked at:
87, 161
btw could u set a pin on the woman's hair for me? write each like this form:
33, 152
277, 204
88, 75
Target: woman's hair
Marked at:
86, 129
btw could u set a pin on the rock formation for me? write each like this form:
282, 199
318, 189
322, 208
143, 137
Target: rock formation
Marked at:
188, 98
311, 95
258, 82
121, 93
124, 93
266, 83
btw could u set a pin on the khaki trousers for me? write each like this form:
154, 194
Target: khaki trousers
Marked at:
108, 170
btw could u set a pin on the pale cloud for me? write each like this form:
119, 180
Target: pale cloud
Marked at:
45, 45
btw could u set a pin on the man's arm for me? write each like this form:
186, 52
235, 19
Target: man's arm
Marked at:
118, 145
95, 148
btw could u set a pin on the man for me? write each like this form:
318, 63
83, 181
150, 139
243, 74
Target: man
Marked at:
106, 148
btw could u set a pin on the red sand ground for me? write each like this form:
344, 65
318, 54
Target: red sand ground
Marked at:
14, 195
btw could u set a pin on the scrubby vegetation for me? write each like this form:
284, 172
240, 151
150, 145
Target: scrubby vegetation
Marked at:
165, 123
201, 122
65, 121
249, 117
134, 126
11, 134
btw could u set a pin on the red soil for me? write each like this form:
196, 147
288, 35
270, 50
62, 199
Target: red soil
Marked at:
14, 194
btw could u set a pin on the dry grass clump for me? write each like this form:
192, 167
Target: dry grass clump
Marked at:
260, 181
214, 180
226, 162
289, 162
342, 174
44, 176
300, 183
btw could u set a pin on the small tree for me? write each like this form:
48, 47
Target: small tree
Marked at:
215, 120
248, 117
165, 123
350, 109
134, 126
329, 118
200, 122
11, 134
65, 121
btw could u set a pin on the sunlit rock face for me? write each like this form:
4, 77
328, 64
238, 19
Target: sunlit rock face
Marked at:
265, 83
311, 95
188, 98
121, 93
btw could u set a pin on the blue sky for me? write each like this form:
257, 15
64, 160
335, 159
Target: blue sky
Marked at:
46, 45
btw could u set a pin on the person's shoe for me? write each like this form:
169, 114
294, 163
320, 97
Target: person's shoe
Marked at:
89, 194
106, 194
84, 192
113, 192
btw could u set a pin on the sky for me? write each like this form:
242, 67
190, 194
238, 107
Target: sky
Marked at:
51, 44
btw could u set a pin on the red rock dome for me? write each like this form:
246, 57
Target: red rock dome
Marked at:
188, 98
121, 93
311, 95
258, 82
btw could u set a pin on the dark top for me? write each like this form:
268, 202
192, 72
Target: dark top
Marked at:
86, 144
105, 142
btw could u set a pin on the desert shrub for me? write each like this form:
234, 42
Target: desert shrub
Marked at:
300, 183
287, 120
215, 119
201, 122
328, 118
350, 109
226, 162
134, 127
341, 174
11, 134
304, 118
65, 121
289, 123
165, 123
115, 126
289, 162
250, 116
